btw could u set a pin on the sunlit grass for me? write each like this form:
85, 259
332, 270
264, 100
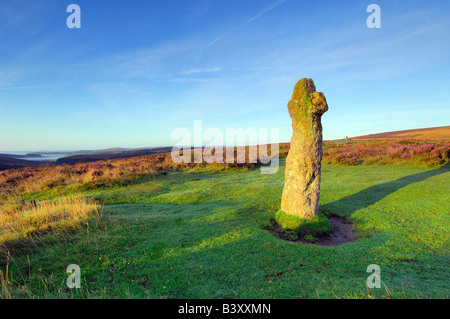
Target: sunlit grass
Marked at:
20, 219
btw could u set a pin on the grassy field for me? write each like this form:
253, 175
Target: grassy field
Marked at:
202, 233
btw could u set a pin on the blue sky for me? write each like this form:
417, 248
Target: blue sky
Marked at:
136, 70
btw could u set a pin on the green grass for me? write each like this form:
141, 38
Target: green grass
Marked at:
316, 226
202, 234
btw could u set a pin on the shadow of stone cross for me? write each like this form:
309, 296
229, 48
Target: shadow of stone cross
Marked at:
374, 194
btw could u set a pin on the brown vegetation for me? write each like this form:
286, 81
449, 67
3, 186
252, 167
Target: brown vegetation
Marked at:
431, 134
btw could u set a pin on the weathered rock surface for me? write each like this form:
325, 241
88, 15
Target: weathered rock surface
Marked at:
303, 164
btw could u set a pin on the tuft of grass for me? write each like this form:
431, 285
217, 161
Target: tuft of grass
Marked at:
311, 238
287, 221
20, 219
317, 226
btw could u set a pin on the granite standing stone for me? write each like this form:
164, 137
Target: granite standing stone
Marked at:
303, 164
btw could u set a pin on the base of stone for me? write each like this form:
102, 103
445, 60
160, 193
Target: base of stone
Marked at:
342, 233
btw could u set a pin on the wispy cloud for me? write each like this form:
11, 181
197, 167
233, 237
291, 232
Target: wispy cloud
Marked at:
207, 70
87, 47
186, 80
258, 15
2, 88
149, 63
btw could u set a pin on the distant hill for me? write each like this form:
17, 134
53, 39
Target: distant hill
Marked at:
111, 154
12, 161
107, 150
7, 162
433, 133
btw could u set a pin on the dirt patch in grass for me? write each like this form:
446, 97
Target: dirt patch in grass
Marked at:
342, 233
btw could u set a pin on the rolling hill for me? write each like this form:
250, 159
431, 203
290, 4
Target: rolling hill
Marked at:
7, 162
433, 133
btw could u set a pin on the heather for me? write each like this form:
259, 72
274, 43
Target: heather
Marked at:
400, 152
84, 176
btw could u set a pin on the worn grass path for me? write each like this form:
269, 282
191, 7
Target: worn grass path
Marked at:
201, 234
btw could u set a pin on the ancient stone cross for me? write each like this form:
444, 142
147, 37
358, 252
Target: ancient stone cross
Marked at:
303, 164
